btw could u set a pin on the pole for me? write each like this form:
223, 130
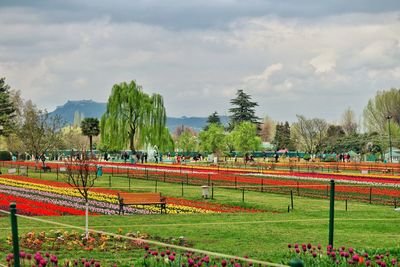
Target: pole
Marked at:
212, 190
182, 188
242, 194
390, 139
346, 204
331, 212
291, 198
262, 185
109, 181
209, 178
14, 231
370, 195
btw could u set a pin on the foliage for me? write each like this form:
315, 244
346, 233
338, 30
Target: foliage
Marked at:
133, 117
90, 128
282, 138
384, 103
245, 138
7, 108
309, 134
212, 139
39, 132
243, 110
268, 128
349, 123
73, 139
78, 117
5, 155
187, 141
212, 119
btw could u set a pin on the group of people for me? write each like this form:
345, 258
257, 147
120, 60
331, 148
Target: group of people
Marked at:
344, 157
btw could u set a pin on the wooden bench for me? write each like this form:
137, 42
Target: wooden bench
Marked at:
143, 199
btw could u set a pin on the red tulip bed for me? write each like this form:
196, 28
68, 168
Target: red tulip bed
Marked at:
384, 189
51, 198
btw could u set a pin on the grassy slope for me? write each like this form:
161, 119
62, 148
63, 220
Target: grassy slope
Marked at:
262, 236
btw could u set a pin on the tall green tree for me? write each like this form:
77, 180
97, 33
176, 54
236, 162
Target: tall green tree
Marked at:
90, 128
384, 104
187, 141
245, 138
282, 138
213, 119
212, 140
243, 110
7, 108
133, 118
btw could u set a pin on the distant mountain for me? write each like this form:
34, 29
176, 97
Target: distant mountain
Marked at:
90, 108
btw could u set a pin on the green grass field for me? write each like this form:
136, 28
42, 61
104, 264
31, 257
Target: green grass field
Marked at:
262, 236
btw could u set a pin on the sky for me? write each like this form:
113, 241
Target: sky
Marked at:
309, 57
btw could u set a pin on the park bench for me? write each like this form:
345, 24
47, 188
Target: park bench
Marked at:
143, 199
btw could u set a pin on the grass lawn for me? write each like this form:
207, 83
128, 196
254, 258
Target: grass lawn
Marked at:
262, 236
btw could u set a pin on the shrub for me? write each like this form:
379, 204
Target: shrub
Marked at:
5, 155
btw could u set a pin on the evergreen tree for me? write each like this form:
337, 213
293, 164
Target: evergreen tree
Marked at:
7, 108
242, 110
282, 138
90, 128
213, 118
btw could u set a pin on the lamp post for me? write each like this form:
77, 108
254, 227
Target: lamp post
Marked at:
388, 117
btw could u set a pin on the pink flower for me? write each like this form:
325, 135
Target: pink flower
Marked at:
171, 257
309, 246
223, 263
191, 262
289, 245
351, 250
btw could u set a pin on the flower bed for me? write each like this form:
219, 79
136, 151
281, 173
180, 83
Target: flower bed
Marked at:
101, 201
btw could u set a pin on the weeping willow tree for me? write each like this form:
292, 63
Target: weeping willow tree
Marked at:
133, 118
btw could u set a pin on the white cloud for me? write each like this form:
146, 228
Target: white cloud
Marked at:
322, 63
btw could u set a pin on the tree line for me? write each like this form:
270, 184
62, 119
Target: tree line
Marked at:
134, 120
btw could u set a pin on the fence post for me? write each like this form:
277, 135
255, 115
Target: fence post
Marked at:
209, 178
346, 204
187, 178
182, 188
57, 172
109, 181
235, 182
164, 176
242, 194
395, 203
212, 190
291, 198
147, 174
262, 185
370, 195
331, 212
14, 231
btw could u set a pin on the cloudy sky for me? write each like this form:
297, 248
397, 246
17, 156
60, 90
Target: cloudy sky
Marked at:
308, 57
